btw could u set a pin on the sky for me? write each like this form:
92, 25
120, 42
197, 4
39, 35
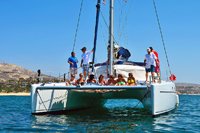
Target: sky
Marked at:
39, 34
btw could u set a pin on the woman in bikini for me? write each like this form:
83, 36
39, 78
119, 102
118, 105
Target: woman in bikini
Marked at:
120, 80
131, 80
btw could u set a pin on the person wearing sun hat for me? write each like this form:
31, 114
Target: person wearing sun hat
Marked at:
150, 64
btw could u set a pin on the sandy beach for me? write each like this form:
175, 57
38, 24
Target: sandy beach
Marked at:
15, 94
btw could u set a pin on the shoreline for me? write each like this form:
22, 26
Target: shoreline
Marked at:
15, 94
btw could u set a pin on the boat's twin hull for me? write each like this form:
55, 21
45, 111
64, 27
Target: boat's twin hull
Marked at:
163, 98
157, 98
52, 100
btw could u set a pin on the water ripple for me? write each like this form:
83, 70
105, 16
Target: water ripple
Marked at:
117, 116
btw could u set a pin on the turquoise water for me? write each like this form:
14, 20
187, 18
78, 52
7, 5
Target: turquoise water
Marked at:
119, 116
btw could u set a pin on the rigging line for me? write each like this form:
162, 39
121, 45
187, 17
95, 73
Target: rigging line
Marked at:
107, 25
75, 36
161, 34
121, 25
145, 95
123, 19
103, 35
126, 17
104, 19
120, 20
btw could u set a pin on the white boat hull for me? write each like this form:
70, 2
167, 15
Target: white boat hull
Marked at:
58, 98
164, 98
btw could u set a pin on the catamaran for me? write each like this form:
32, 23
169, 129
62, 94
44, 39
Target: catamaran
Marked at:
157, 97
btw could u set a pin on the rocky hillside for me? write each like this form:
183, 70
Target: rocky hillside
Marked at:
11, 72
188, 88
14, 78
14, 72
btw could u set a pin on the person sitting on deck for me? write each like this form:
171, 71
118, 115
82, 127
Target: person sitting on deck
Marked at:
91, 79
120, 80
101, 80
81, 80
131, 79
111, 80
71, 81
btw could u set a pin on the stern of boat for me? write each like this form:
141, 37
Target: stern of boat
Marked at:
58, 98
164, 97
47, 100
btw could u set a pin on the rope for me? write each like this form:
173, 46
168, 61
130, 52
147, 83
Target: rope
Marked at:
120, 21
163, 42
145, 95
121, 25
107, 25
77, 25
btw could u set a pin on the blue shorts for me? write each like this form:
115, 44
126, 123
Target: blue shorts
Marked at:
86, 68
151, 69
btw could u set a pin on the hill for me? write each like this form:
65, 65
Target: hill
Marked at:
14, 72
14, 78
188, 88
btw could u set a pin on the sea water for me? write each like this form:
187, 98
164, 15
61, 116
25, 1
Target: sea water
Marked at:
118, 116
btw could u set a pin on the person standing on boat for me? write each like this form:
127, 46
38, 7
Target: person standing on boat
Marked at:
150, 64
157, 68
85, 61
73, 63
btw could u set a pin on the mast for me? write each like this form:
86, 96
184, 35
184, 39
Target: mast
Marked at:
111, 38
96, 31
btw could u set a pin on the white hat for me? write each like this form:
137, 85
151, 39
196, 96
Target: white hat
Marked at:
116, 46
